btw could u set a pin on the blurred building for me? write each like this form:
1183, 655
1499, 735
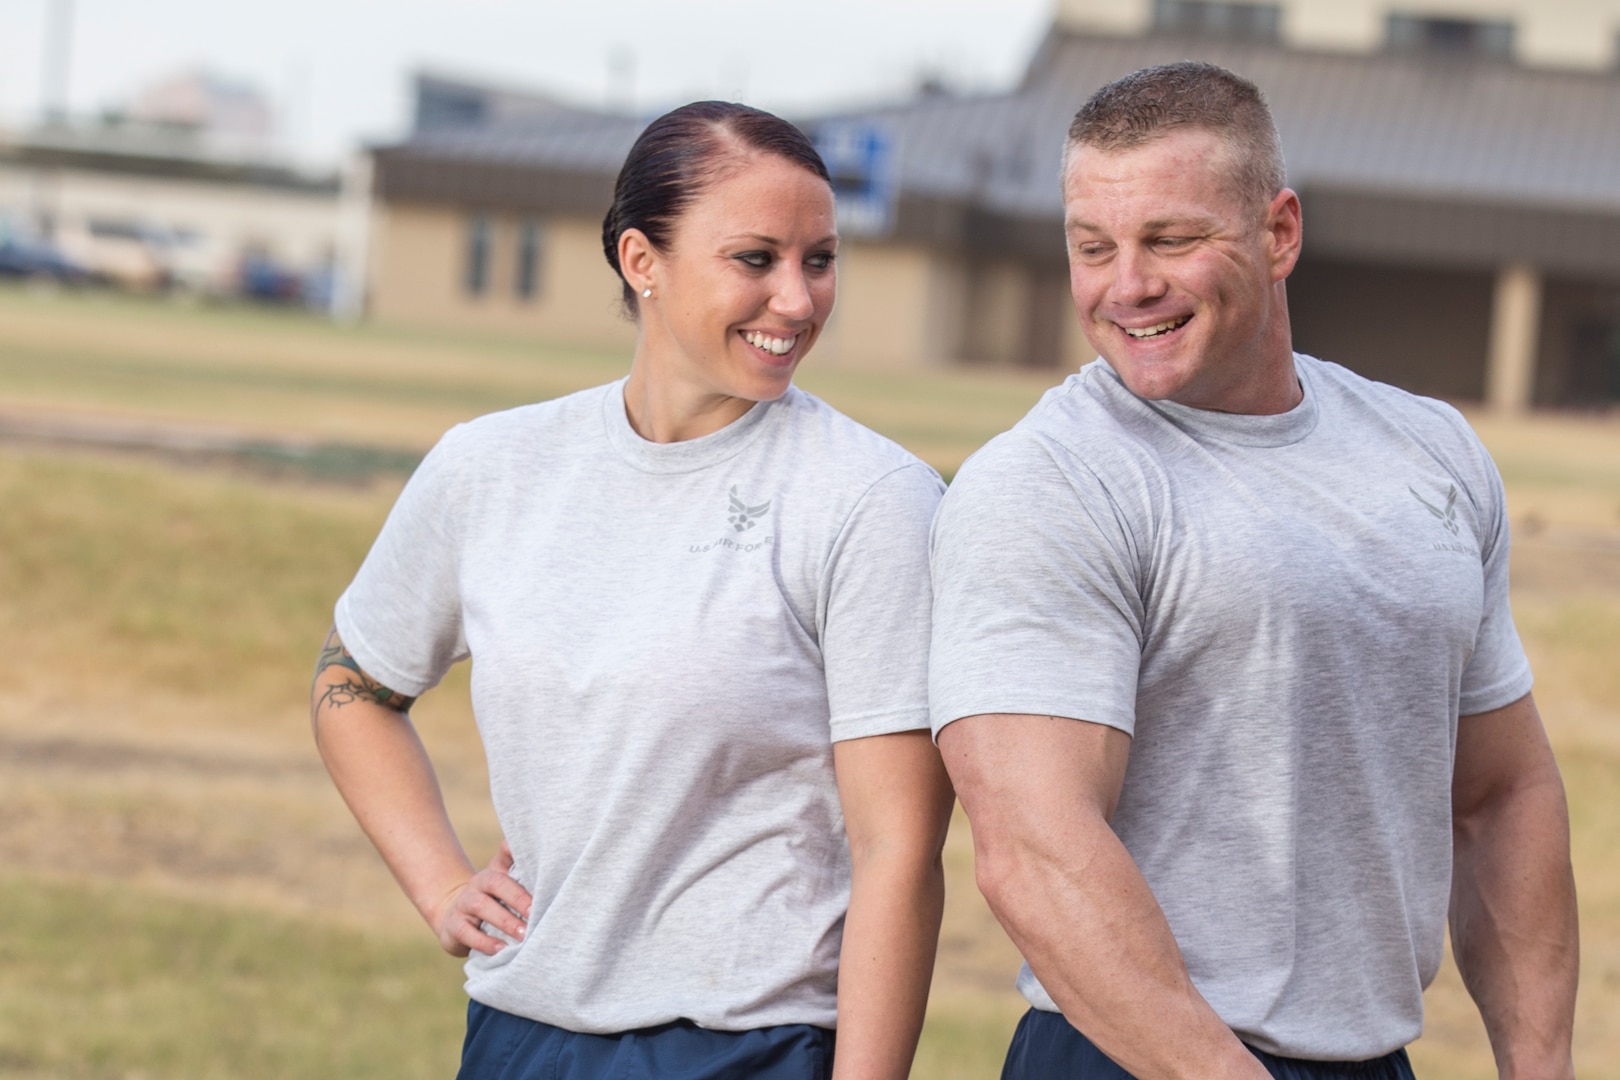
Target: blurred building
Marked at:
1538, 33
490, 214
228, 116
181, 187
1459, 169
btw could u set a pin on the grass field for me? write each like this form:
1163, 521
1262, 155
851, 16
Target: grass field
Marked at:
182, 894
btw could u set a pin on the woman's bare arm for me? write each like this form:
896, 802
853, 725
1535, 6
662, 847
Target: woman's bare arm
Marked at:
897, 807
377, 761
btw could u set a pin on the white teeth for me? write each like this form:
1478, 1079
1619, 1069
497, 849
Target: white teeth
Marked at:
774, 345
1155, 331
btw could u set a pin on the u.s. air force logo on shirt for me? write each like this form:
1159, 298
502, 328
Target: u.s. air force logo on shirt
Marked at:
743, 515
1444, 512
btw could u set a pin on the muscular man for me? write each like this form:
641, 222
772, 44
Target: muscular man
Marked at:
1223, 666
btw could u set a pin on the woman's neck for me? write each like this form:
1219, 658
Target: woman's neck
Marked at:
663, 408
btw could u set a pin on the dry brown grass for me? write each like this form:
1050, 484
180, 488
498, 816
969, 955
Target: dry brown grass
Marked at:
159, 622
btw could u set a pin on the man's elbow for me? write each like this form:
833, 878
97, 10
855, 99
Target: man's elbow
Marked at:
1001, 867
1535, 793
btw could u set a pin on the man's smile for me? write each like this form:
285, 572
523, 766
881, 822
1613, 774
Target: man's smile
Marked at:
1157, 330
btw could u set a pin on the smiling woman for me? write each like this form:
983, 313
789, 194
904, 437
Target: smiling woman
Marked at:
698, 599
724, 237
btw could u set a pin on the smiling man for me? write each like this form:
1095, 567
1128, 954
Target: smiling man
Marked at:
1223, 667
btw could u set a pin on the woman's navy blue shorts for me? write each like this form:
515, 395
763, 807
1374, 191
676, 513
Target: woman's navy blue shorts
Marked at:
501, 1046
1046, 1047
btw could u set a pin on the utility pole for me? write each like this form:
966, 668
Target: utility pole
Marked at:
621, 90
53, 108
58, 62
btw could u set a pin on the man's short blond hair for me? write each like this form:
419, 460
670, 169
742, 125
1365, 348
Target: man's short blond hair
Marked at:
1154, 102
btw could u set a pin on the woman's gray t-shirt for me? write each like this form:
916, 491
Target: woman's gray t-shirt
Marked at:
667, 641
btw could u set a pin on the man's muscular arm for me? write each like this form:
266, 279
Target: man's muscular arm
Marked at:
382, 771
1039, 791
1513, 917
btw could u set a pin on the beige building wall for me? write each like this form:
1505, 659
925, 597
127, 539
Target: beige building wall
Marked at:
1558, 33
899, 307
1117, 16
998, 313
1077, 351
895, 309
1553, 33
418, 274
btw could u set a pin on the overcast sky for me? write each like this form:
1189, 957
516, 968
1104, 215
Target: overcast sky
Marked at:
336, 70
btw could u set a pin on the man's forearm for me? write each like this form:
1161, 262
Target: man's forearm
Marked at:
1513, 920
1039, 791
1088, 924
1514, 926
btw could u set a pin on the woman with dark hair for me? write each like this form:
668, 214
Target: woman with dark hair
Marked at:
698, 601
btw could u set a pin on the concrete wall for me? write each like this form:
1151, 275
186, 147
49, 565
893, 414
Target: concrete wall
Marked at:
418, 270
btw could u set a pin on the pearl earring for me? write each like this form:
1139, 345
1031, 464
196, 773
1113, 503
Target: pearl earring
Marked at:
646, 293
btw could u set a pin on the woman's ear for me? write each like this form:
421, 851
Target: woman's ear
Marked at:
638, 259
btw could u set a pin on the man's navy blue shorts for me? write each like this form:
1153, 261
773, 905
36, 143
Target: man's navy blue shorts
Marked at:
501, 1046
1047, 1047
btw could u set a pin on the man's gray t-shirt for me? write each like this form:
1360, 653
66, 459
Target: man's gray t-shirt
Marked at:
1288, 614
667, 641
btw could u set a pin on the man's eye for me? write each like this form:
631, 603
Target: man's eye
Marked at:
1172, 242
1091, 251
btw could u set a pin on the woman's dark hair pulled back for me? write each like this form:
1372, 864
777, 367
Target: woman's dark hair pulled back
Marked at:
674, 159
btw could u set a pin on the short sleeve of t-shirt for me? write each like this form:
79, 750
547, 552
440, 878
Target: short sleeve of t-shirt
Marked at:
1497, 673
1036, 605
875, 608
401, 615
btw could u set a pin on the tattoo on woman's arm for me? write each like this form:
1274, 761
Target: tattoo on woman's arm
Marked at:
355, 685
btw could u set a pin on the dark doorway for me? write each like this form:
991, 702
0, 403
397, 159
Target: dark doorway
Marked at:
1424, 330
1594, 363
1579, 363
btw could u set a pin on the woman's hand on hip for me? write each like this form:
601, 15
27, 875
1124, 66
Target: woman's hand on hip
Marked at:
491, 896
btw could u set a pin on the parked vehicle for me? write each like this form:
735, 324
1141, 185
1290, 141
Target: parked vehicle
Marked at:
119, 252
25, 254
262, 278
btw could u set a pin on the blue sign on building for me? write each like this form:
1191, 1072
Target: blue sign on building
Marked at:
861, 156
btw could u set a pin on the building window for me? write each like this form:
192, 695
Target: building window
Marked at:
1211, 18
479, 241
530, 253
1448, 35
